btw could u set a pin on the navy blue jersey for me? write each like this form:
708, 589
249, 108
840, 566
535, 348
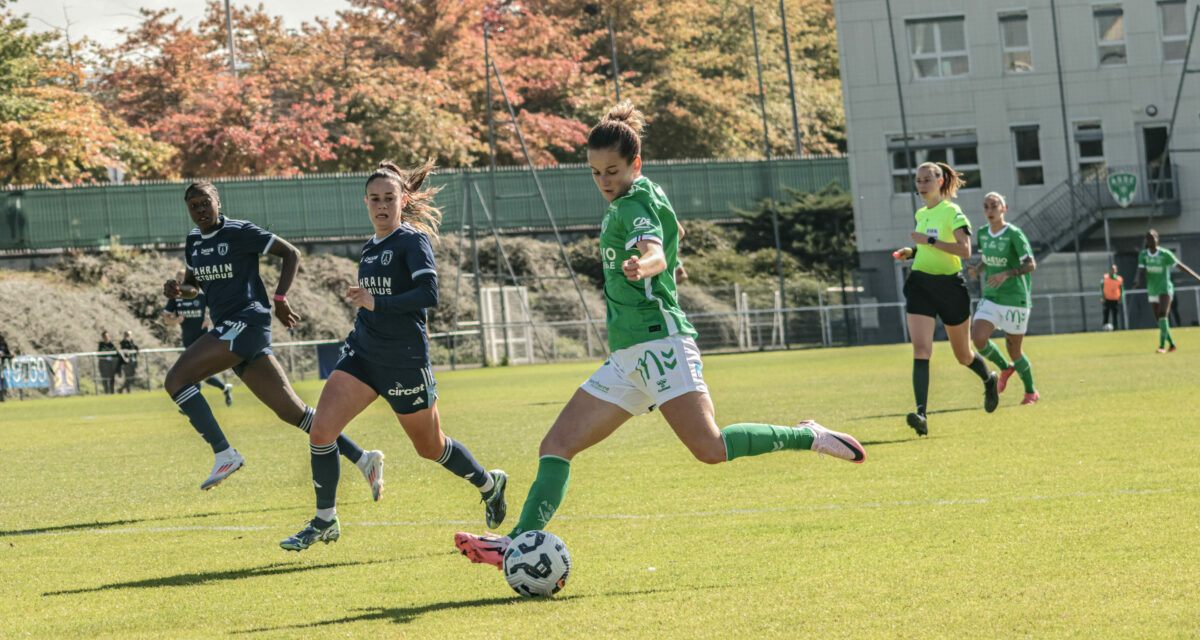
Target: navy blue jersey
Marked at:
192, 312
398, 270
225, 263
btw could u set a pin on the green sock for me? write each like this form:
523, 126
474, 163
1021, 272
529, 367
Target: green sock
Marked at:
1164, 333
547, 492
990, 352
747, 439
1025, 370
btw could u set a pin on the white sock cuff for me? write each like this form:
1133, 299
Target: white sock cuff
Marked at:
447, 451
320, 450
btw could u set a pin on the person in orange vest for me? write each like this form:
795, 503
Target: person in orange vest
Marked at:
1113, 288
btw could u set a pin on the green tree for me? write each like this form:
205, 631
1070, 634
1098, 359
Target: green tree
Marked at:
817, 229
50, 132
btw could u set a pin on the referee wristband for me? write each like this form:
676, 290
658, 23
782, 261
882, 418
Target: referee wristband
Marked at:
280, 297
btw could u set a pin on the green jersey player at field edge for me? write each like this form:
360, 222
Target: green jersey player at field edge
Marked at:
1154, 267
654, 359
1007, 298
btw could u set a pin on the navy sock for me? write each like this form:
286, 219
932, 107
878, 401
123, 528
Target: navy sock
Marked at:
920, 379
459, 461
326, 470
201, 416
979, 366
345, 445
216, 382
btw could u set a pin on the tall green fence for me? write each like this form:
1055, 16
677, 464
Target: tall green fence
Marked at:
314, 207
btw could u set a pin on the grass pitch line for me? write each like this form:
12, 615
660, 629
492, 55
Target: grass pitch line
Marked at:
655, 516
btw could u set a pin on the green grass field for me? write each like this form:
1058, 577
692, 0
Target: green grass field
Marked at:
1076, 517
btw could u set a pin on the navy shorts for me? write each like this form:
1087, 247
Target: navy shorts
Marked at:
406, 389
938, 296
246, 340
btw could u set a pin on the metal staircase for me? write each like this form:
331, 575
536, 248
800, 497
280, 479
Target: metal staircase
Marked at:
1078, 206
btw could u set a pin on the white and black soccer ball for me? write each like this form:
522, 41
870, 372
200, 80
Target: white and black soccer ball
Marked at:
1108, 326
537, 563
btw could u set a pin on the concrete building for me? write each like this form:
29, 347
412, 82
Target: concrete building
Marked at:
1040, 114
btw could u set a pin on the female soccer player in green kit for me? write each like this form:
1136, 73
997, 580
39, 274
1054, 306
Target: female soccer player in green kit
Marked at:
935, 287
1007, 299
1154, 266
654, 360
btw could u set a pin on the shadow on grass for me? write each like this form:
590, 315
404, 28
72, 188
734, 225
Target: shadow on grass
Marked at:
193, 579
84, 526
405, 615
902, 415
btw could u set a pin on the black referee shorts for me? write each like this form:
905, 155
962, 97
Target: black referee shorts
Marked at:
942, 297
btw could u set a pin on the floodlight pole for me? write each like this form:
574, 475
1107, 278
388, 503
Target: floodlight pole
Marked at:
612, 47
229, 34
787, 54
762, 103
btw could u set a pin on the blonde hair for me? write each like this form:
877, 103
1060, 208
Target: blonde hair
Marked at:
622, 128
952, 180
996, 195
419, 210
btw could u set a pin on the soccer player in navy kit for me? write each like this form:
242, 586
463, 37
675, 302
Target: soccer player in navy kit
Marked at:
387, 353
190, 316
222, 260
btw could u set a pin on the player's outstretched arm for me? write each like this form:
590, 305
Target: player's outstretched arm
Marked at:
1186, 269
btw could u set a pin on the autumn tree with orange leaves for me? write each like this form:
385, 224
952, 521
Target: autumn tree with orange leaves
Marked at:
406, 80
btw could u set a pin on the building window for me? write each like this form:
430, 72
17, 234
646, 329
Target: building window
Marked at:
938, 47
1110, 34
1089, 140
1014, 37
1028, 155
1172, 19
956, 148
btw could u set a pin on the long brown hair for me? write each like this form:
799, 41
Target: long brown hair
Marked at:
622, 128
952, 180
419, 210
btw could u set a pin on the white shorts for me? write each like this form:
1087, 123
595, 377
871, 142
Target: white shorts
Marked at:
1013, 320
643, 376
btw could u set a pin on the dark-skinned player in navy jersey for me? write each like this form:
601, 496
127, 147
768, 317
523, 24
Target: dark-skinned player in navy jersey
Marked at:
387, 353
222, 260
192, 318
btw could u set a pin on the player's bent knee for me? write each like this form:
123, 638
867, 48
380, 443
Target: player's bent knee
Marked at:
429, 450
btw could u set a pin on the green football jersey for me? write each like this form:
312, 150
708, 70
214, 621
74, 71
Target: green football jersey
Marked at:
940, 222
647, 309
1158, 271
1001, 252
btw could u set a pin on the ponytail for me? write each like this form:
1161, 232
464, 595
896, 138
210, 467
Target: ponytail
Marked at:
952, 180
419, 210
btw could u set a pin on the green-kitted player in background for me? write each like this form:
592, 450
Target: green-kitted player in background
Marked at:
1007, 294
1154, 266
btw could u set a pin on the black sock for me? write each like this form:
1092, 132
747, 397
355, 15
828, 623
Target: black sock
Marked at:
920, 379
979, 366
346, 446
215, 381
326, 470
459, 461
201, 417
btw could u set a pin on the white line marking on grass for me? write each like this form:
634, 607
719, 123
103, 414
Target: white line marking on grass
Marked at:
659, 516
136, 530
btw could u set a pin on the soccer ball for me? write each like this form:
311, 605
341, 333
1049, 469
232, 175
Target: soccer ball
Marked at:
537, 563
1108, 326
